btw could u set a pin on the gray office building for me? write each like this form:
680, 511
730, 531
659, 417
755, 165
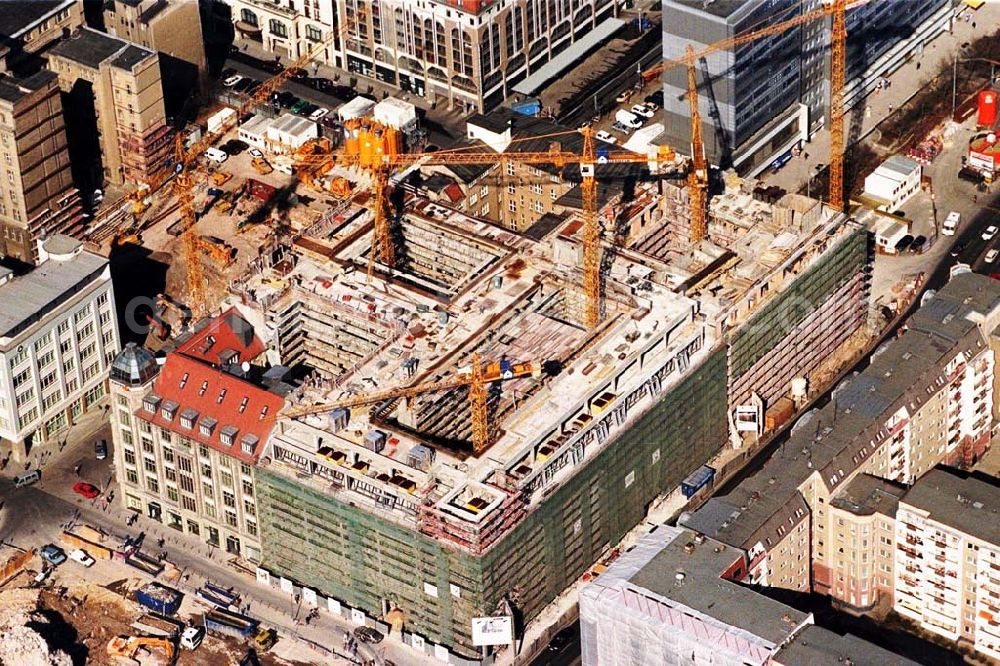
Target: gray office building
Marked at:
760, 100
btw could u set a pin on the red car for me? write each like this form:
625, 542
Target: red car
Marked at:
87, 490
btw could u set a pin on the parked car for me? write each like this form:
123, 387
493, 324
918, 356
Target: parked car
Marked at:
990, 232
87, 490
300, 74
81, 556
951, 223
235, 146
320, 83
287, 100
561, 640
101, 449
255, 152
52, 554
306, 108
231, 81
368, 635
319, 113
918, 244
642, 111
618, 127
904, 244
957, 249
606, 137
991, 256
656, 98
623, 96
652, 106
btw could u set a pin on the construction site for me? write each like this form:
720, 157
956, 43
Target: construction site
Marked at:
481, 408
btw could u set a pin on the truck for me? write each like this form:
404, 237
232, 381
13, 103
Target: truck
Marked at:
144, 563
628, 119
261, 166
228, 623
219, 597
155, 624
265, 638
162, 599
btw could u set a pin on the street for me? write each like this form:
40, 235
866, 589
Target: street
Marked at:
35, 515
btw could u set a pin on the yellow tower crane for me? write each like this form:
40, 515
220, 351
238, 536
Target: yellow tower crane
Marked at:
476, 378
698, 180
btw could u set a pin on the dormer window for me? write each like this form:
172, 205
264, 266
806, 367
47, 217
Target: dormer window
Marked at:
243, 404
228, 435
184, 379
222, 396
249, 443
207, 426
188, 417
169, 410
150, 403
263, 412
204, 387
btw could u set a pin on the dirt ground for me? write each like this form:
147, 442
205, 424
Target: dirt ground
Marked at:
83, 618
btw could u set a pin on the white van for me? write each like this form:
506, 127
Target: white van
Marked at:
27, 478
951, 223
628, 119
216, 155
192, 637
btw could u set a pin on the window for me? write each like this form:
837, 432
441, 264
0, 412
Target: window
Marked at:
81, 315
207, 490
484, 191
278, 29
247, 488
153, 485
170, 473
512, 206
40, 343
147, 446
171, 493
251, 527
226, 478
149, 464
249, 508
188, 503
206, 471
245, 469
19, 357
187, 483
129, 456
210, 509
243, 404
313, 34
231, 519
132, 475
249, 17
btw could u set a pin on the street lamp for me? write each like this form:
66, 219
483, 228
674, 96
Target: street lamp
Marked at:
954, 77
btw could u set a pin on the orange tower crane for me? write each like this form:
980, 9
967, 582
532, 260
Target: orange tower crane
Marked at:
837, 9
184, 180
476, 378
588, 159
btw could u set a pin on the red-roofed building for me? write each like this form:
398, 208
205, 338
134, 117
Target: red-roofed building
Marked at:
189, 432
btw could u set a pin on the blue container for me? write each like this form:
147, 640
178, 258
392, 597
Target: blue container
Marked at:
697, 480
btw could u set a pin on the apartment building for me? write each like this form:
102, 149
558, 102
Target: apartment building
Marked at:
773, 94
947, 569
188, 433
173, 29
27, 28
115, 110
37, 195
674, 599
469, 54
58, 336
818, 516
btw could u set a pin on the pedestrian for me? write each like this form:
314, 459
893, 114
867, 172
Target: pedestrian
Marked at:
77, 470
973, 25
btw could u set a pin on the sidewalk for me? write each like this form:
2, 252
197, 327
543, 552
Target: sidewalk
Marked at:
877, 108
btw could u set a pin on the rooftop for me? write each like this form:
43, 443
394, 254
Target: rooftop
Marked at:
969, 503
28, 298
867, 494
130, 56
836, 441
89, 47
673, 580
19, 16
716, 8
13, 89
816, 645
198, 394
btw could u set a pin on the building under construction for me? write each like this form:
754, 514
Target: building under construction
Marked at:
401, 502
